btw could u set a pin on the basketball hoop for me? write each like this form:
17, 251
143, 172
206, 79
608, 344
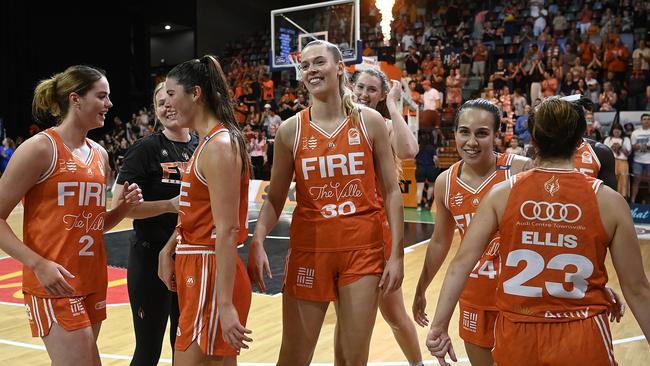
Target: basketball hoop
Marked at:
294, 59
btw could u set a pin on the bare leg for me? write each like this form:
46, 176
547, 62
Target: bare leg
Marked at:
479, 356
75, 347
301, 324
356, 313
393, 310
193, 356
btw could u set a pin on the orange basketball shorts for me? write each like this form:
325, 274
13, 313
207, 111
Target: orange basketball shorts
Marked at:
316, 276
71, 313
197, 300
578, 342
476, 325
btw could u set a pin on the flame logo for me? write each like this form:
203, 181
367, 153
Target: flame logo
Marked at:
552, 185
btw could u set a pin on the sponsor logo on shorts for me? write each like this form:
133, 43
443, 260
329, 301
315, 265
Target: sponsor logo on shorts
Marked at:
470, 321
77, 306
100, 305
354, 138
178, 331
579, 314
189, 281
552, 186
29, 312
305, 277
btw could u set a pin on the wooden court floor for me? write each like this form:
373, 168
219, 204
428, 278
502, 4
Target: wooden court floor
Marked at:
116, 341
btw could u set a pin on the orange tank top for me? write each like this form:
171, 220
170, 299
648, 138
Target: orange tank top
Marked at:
64, 218
463, 201
586, 161
337, 203
195, 224
553, 248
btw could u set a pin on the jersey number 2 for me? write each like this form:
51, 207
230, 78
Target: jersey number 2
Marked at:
89, 241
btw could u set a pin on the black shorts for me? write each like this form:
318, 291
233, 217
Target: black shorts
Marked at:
428, 173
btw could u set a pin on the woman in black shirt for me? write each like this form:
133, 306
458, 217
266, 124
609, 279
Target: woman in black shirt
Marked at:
156, 163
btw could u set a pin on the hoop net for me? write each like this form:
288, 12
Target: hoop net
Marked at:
294, 58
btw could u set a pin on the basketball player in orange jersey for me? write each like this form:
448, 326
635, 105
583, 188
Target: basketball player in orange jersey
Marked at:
62, 177
458, 192
214, 292
370, 88
592, 157
556, 225
338, 151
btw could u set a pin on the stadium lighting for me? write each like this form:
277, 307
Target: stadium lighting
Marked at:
168, 27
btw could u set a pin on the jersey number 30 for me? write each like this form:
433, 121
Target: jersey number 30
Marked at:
535, 266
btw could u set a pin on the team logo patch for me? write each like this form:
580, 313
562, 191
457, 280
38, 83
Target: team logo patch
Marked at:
189, 281
457, 200
77, 306
164, 152
552, 186
309, 143
331, 145
354, 138
470, 321
67, 166
305, 277
185, 156
90, 172
476, 201
587, 158
503, 167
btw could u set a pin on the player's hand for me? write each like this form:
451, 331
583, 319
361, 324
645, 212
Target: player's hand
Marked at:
258, 264
419, 307
231, 329
174, 204
132, 194
395, 93
439, 344
617, 306
167, 270
52, 276
393, 275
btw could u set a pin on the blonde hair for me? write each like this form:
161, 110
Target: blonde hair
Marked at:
51, 95
348, 104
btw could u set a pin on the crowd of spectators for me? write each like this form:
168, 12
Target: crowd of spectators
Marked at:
510, 52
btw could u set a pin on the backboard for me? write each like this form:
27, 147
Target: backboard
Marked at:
334, 21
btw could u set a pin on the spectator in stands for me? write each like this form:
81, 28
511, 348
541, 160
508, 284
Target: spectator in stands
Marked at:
640, 142
269, 118
586, 49
578, 70
567, 58
637, 82
540, 23
412, 62
268, 90
518, 102
607, 98
642, 53
621, 147
550, 85
593, 92
616, 57
256, 149
536, 76
6, 151
568, 84
432, 98
501, 76
521, 126
466, 56
479, 55
514, 147
454, 89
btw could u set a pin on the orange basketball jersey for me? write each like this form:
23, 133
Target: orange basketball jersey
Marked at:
553, 248
195, 224
64, 219
586, 160
463, 201
337, 202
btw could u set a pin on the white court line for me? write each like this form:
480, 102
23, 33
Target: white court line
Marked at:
411, 248
166, 360
273, 237
419, 222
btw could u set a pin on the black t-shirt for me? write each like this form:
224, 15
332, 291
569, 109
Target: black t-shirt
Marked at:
498, 84
155, 164
412, 64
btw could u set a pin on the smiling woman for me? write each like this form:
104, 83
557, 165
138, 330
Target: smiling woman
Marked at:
62, 176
